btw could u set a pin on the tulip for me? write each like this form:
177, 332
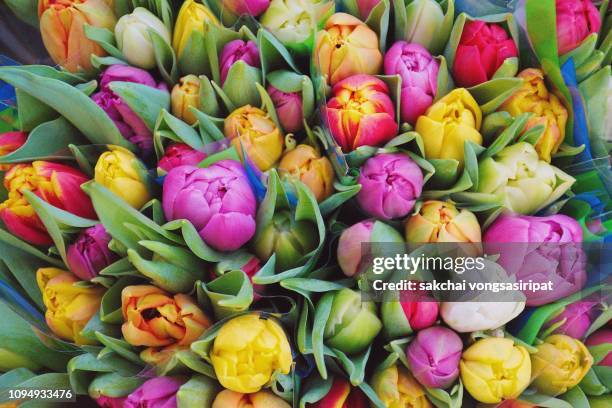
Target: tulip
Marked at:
238, 50
390, 185
516, 404
576, 20
419, 73
547, 110
9, 142
69, 306
217, 200
560, 363
249, 351
110, 402
131, 126
306, 164
601, 336
346, 47
124, 175
191, 28
134, 40
350, 244
396, 387
493, 369
574, 320
261, 399
154, 318
57, 184
415, 310
467, 317
433, 357
180, 154
540, 249
525, 183
448, 124
186, 94
360, 8
250, 7
89, 253
425, 24
342, 395
62, 27
440, 221
482, 49
288, 108
361, 113
156, 392
352, 324
254, 131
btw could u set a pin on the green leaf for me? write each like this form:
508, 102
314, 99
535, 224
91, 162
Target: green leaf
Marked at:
114, 385
164, 57
240, 84
120, 347
105, 38
274, 54
229, 294
194, 241
164, 274
199, 391
145, 101
491, 94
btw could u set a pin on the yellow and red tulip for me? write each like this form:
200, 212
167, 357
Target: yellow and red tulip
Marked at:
342, 395
9, 142
396, 387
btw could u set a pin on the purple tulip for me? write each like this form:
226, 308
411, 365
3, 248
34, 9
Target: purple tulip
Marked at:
217, 200
540, 249
433, 357
289, 109
158, 392
250, 7
390, 185
576, 319
238, 50
89, 254
129, 124
419, 73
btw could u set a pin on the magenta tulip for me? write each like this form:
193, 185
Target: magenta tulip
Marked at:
89, 254
540, 249
109, 402
238, 50
251, 7
180, 154
576, 19
288, 108
601, 336
575, 319
433, 357
217, 200
419, 73
158, 392
483, 48
129, 124
390, 185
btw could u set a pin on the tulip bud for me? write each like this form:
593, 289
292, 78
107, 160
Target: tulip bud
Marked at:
156, 392
419, 73
390, 185
342, 395
352, 324
254, 131
180, 154
288, 108
238, 50
493, 369
546, 110
69, 306
576, 19
306, 164
467, 317
9, 142
57, 184
110, 402
516, 404
186, 94
425, 24
433, 357
89, 253
448, 124
396, 387
217, 200
260, 399
123, 174
134, 40
439, 221
361, 113
249, 351
601, 336
346, 47
350, 244
249, 7
560, 363
360, 8
62, 27
574, 320
415, 310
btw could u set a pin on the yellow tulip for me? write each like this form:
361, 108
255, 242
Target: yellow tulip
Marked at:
69, 307
441, 221
547, 111
253, 129
306, 164
184, 95
448, 124
560, 364
261, 399
397, 388
248, 351
191, 18
121, 172
494, 369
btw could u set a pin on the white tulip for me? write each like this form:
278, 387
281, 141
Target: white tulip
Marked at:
467, 317
134, 40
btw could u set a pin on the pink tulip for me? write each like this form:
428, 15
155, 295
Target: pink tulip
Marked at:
217, 200
576, 19
483, 48
365, 7
433, 357
390, 185
289, 109
419, 73
576, 317
601, 336
541, 249
180, 154
238, 50
89, 254
420, 309
9, 142
251, 7
110, 402
158, 392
